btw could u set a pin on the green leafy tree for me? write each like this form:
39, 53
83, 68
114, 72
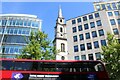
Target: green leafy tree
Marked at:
38, 47
111, 54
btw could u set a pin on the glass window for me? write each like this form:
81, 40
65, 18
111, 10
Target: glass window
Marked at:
98, 56
6, 50
103, 42
108, 6
14, 22
118, 21
25, 23
0, 32
9, 22
11, 31
98, 7
84, 18
91, 16
82, 47
76, 48
16, 50
94, 34
20, 31
7, 65
77, 58
74, 29
96, 15
116, 32
79, 20
17, 23
117, 13
103, 7
0, 22
81, 37
33, 23
99, 23
8, 30
83, 57
62, 47
27, 31
36, 24
118, 5
96, 44
4, 22
89, 46
86, 26
12, 50
15, 31
87, 35
80, 28
114, 6
23, 31
61, 29
73, 22
112, 21
110, 14
101, 32
90, 56
21, 22
75, 38
29, 23
92, 24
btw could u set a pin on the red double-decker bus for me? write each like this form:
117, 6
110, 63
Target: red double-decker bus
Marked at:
25, 69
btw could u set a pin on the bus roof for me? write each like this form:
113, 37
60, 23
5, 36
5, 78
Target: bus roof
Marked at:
8, 59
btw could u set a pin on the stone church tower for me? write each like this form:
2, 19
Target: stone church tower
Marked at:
60, 41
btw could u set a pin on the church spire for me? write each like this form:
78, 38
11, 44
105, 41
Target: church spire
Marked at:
60, 12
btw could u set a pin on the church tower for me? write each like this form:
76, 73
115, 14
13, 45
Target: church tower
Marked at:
60, 41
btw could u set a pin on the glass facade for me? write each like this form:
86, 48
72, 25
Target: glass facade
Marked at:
14, 32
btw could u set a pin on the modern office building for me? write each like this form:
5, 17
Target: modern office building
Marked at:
14, 31
86, 34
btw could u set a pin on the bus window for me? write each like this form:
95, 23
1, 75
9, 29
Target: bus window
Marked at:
22, 65
7, 65
0, 65
99, 67
35, 66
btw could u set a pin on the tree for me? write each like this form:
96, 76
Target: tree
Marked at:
111, 54
38, 47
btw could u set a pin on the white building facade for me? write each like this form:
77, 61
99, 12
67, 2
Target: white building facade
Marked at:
86, 34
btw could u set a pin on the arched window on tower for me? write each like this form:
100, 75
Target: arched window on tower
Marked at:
60, 20
61, 30
62, 47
